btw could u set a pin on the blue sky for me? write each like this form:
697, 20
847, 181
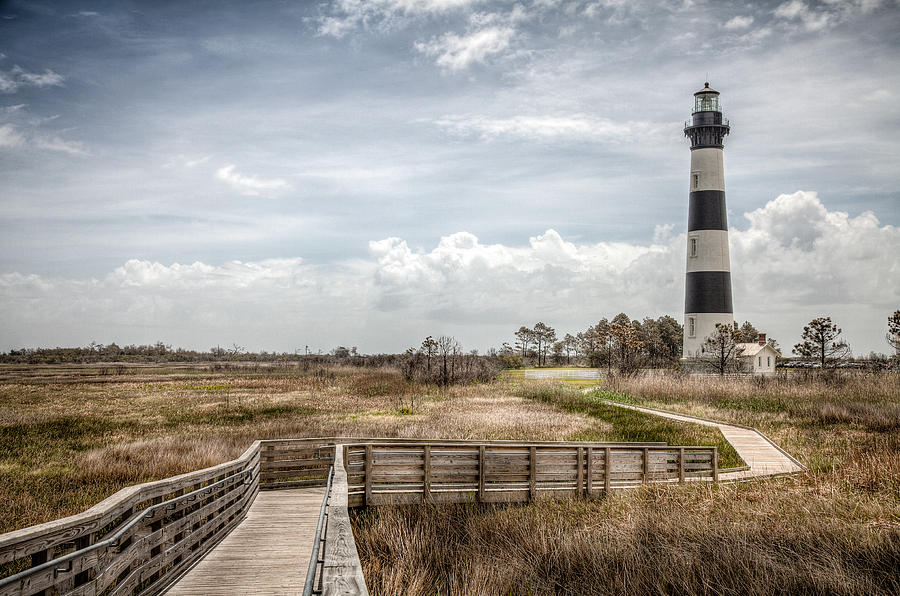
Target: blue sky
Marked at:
282, 174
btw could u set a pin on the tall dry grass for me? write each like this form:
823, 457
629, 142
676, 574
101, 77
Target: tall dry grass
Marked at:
832, 530
768, 537
65, 446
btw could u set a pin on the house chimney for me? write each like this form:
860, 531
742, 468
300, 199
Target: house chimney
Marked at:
762, 339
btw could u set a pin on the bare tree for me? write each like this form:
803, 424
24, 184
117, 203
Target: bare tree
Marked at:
447, 349
821, 343
720, 351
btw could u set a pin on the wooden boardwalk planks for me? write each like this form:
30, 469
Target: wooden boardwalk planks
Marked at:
342, 572
268, 553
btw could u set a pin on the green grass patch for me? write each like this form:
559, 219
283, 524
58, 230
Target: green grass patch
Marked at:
624, 425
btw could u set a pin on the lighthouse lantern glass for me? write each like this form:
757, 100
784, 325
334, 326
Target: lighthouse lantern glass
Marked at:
706, 102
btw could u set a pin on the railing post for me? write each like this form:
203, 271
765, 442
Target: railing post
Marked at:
481, 473
715, 464
681, 465
579, 473
426, 485
590, 471
646, 474
607, 477
532, 473
368, 475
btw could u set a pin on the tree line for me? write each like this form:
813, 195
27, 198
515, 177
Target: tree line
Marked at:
622, 343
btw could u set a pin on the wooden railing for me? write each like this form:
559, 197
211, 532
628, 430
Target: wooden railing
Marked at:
144, 537
448, 472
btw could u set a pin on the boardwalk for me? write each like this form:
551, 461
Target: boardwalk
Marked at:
760, 453
268, 553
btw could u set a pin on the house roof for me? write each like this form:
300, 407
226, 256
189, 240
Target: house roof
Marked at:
754, 348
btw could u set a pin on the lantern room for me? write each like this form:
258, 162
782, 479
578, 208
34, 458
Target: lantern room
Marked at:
706, 100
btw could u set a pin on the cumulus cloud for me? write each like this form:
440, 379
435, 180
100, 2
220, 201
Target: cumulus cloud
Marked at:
454, 52
250, 185
17, 78
794, 260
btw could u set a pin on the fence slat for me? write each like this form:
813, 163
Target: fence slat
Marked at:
426, 488
607, 468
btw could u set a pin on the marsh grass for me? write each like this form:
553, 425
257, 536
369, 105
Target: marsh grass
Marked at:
752, 538
832, 530
65, 446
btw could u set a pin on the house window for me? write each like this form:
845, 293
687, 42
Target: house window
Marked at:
769, 361
759, 362
695, 180
690, 326
693, 248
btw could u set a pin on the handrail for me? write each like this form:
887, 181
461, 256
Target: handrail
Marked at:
317, 542
113, 541
424, 472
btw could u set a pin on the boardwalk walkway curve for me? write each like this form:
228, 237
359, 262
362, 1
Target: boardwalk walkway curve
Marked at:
761, 454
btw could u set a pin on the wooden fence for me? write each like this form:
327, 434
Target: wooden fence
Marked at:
446, 472
144, 537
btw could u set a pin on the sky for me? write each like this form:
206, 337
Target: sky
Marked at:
365, 173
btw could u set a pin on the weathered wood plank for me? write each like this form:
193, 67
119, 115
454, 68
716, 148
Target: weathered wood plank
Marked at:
342, 572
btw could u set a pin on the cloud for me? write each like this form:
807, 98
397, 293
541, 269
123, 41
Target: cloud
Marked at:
454, 53
739, 22
23, 132
824, 16
345, 16
250, 185
795, 260
10, 136
576, 127
55, 143
17, 78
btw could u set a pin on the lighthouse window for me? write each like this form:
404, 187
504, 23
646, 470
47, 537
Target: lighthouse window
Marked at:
690, 326
693, 247
696, 177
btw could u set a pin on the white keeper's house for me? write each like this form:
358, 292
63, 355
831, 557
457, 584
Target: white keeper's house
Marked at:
757, 358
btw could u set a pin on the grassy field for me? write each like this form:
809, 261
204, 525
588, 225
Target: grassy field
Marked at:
833, 530
71, 436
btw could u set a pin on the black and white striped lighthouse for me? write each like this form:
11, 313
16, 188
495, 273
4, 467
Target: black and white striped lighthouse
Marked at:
707, 290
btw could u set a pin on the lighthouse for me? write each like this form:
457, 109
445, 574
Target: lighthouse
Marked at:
707, 288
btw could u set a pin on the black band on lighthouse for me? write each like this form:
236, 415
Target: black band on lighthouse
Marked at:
707, 211
708, 291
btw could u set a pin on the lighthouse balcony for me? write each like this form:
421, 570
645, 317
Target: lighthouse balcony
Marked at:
707, 118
